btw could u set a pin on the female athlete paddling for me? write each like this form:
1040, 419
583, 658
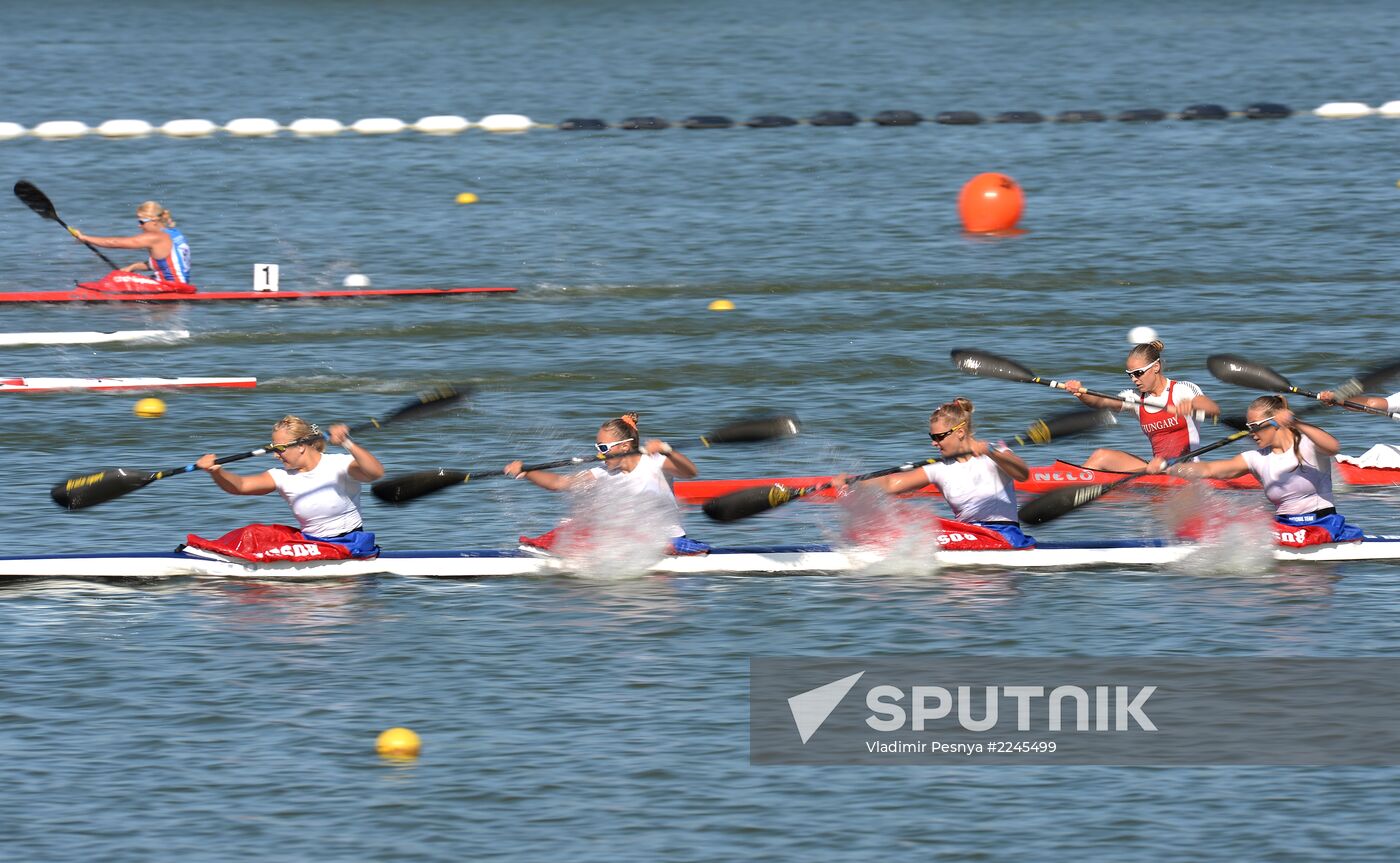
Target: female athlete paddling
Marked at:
976, 478
1294, 465
645, 471
1165, 408
168, 250
322, 489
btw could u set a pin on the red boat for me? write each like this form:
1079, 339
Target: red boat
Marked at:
86, 292
1042, 479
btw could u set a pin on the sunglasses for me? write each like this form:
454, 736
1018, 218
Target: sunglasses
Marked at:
1260, 425
604, 448
939, 436
141, 221
280, 448
1137, 373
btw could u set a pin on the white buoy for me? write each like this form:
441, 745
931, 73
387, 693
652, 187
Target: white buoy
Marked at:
252, 127
1344, 110
442, 124
1141, 336
378, 126
356, 280
316, 126
505, 123
1389, 109
124, 129
55, 129
188, 128
11, 130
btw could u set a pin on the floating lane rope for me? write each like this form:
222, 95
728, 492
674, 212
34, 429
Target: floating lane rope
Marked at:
451, 124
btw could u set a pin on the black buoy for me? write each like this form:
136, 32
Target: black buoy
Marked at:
833, 118
706, 121
1142, 115
582, 124
897, 118
1018, 117
1267, 111
1080, 117
769, 121
644, 123
1205, 112
958, 118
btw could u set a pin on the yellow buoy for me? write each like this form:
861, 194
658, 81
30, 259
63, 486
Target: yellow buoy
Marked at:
150, 407
722, 306
467, 198
398, 743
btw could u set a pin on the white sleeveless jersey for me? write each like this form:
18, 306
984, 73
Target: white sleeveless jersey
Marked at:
647, 480
325, 499
976, 489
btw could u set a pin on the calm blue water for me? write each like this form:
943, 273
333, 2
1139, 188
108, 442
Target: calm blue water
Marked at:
608, 717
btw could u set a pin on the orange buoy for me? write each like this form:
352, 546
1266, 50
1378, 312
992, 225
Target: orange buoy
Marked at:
990, 202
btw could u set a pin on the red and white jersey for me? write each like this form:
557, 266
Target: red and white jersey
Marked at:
1169, 435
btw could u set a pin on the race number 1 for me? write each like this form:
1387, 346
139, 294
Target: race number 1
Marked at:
264, 277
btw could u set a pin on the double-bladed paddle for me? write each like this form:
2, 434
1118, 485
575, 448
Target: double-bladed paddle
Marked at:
1241, 372
410, 487
37, 201
90, 489
983, 364
748, 502
1053, 504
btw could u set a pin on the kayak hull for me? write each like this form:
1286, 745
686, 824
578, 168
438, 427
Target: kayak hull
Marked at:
57, 385
88, 296
1042, 479
91, 338
756, 560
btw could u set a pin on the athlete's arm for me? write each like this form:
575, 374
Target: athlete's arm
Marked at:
235, 483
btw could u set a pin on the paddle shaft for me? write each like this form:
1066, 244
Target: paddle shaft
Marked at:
1350, 405
1150, 401
1186, 456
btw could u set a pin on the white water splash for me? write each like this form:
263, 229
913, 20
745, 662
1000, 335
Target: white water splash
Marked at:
611, 533
1234, 537
900, 536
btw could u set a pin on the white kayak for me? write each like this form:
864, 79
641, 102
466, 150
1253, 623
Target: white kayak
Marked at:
52, 385
757, 560
10, 340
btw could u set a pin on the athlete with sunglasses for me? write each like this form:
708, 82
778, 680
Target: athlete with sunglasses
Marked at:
646, 471
976, 478
322, 489
1293, 463
168, 250
1165, 408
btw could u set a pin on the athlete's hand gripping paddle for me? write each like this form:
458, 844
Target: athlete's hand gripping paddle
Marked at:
747, 502
90, 489
410, 487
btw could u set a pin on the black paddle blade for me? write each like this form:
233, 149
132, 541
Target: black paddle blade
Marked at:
1242, 373
754, 430
1375, 381
1066, 425
35, 199
1053, 504
1238, 423
409, 487
427, 403
746, 502
981, 363
81, 492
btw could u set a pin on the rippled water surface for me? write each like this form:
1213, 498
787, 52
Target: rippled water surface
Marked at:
606, 717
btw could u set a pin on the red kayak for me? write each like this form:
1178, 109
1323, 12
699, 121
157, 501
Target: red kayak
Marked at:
88, 296
1044, 478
